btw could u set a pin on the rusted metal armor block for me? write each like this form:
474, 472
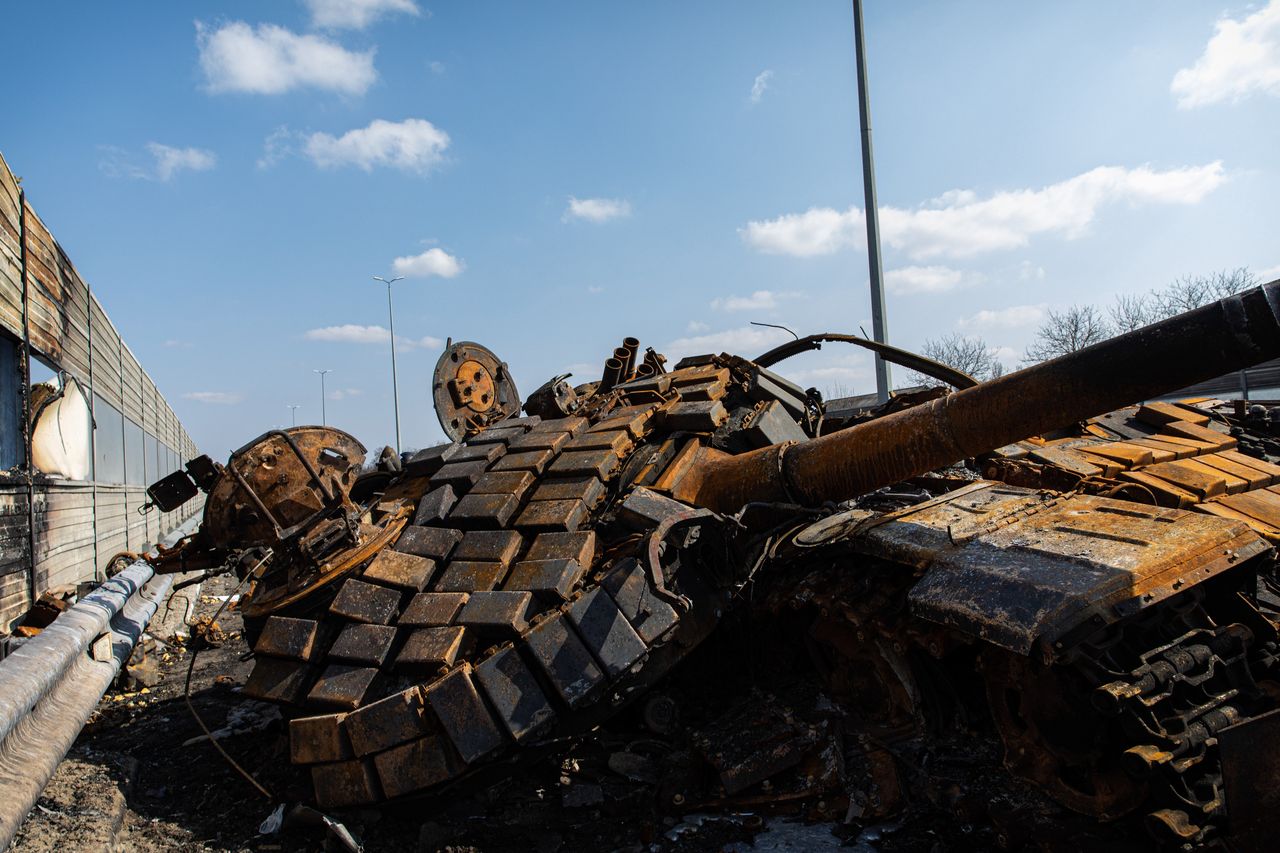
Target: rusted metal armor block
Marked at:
528, 422
430, 460
435, 543
598, 463
366, 602
398, 718
277, 680
435, 505
589, 490
579, 545
342, 686
606, 632
413, 766
659, 384
645, 509
463, 715
530, 460
619, 441
286, 637
469, 576
363, 644
479, 452
502, 613
548, 580
701, 416
552, 515
515, 483
635, 425
497, 435
514, 693
712, 390
771, 424
487, 512
345, 784
633, 592
489, 546
566, 661
552, 441
400, 569
432, 609
313, 740
429, 648
572, 426
460, 475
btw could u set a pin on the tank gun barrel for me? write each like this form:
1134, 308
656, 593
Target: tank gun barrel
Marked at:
1224, 336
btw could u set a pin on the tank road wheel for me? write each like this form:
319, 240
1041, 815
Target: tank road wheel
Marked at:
1055, 739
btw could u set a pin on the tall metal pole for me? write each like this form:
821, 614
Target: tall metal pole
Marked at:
323, 420
879, 325
293, 410
391, 321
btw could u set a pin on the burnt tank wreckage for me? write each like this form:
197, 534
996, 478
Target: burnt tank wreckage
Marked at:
1101, 565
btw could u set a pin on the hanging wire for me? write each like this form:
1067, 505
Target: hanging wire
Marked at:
195, 651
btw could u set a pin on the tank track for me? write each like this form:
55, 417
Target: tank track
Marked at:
544, 582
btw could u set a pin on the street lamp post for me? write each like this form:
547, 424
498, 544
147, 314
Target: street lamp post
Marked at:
323, 420
391, 321
293, 410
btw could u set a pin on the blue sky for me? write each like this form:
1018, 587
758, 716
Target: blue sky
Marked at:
553, 177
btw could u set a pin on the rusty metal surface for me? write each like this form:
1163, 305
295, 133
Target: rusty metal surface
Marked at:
472, 389
1235, 332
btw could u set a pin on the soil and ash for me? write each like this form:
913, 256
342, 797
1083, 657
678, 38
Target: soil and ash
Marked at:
740, 751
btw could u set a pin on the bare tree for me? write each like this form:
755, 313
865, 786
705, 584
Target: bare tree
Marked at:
969, 354
1131, 312
1191, 292
1066, 331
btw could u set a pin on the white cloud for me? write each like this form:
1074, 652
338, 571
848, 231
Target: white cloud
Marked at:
760, 300
1028, 271
760, 85
697, 327
280, 143
355, 14
748, 341
959, 224
343, 393
169, 161
1269, 274
594, 289
354, 334
270, 60
166, 162
933, 279
1013, 317
218, 398
436, 66
817, 231
413, 145
1242, 57
429, 263
597, 209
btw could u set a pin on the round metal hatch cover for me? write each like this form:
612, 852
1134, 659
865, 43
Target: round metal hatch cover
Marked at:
472, 390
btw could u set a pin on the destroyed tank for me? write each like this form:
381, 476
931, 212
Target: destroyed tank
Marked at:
1099, 563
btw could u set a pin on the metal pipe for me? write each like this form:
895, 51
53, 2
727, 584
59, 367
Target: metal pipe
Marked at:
51, 685
631, 346
879, 323
1213, 340
612, 371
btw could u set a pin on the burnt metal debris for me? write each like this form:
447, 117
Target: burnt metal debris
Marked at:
1098, 567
